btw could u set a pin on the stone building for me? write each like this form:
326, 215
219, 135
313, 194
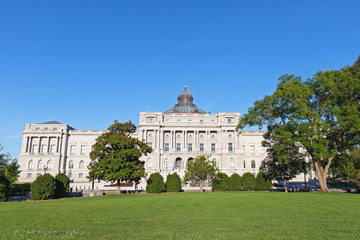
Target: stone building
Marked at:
176, 135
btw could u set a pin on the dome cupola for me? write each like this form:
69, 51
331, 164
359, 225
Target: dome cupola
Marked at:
185, 104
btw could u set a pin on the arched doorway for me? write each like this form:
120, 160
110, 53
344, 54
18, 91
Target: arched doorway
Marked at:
178, 163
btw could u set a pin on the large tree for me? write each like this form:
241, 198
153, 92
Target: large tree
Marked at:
9, 166
116, 156
321, 113
200, 169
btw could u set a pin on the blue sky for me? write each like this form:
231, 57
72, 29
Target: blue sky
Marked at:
87, 63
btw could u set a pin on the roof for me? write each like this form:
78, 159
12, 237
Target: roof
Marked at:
185, 104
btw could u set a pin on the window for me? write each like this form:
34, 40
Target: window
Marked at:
29, 175
35, 148
252, 149
190, 147
81, 164
52, 148
149, 163
243, 149
72, 149
46, 129
252, 164
166, 147
83, 149
70, 175
40, 165
201, 147
189, 120
178, 147
38, 174
178, 120
262, 149
216, 162
178, 163
150, 119
37, 129
230, 147
31, 164
80, 175
229, 120
166, 165
71, 164
244, 164
49, 164
150, 144
54, 129
201, 121
43, 148
231, 162
213, 147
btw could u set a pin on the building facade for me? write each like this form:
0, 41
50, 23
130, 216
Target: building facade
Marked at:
176, 136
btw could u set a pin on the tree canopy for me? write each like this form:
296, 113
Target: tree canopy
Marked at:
320, 113
116, 155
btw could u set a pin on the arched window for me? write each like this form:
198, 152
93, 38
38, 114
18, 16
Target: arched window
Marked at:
216, 162
40, 165
178, 163
252, 164
166, 165
31, 164
231, 162
49, 164
149, 163
81, 164
71, 164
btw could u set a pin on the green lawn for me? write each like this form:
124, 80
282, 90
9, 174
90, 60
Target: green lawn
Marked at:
231, 215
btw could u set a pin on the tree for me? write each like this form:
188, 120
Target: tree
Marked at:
220, 182
235, 182
200, 169
43, 187
155, 183
12, 171
320, 113
263, 182
173, 183
62, 185
115, 156
248, 182
4, 187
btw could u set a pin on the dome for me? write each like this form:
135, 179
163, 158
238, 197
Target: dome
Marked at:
185, 104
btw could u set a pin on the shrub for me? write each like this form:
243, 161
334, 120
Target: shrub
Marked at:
4, 187
155, 183
173, 183
19, 189
248, 182
235, 182
62, 185
263, 182
43, 187
220, 182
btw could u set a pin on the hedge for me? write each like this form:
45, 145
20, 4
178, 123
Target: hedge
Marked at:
155, 183
43, 187
173, 183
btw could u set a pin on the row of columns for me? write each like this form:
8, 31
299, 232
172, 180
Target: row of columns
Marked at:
40, 141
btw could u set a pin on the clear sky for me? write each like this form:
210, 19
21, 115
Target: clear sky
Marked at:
87, 63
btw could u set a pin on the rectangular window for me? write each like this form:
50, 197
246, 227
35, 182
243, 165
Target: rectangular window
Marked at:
83, 149
178, 147
52, 148
262, 149
230, 147
150, 144
35, 148
213, 147
43, 148
166, 147
229, 120
243, 149
80, 175
190, 147
29, 175
252, 149
72, 149
201, 147
201, 121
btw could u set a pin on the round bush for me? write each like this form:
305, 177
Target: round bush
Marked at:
220, 182
235, 182
4, 187
263, 183
43, 187
173, 183
62, 185
248, 182
155, 183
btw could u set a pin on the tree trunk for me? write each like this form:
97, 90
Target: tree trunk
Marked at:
321, 173
118, 187
201, 185
286, 190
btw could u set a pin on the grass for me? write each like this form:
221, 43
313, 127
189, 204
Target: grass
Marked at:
230, 215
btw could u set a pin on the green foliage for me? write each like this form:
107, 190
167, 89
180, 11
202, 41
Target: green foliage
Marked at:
43, 187
62, 185
200, 169
221, 182
4, 187
9, 166
173, 183
115, 155
155, 183
248, 182
20, 188
320, 113
263, 182
235, 182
